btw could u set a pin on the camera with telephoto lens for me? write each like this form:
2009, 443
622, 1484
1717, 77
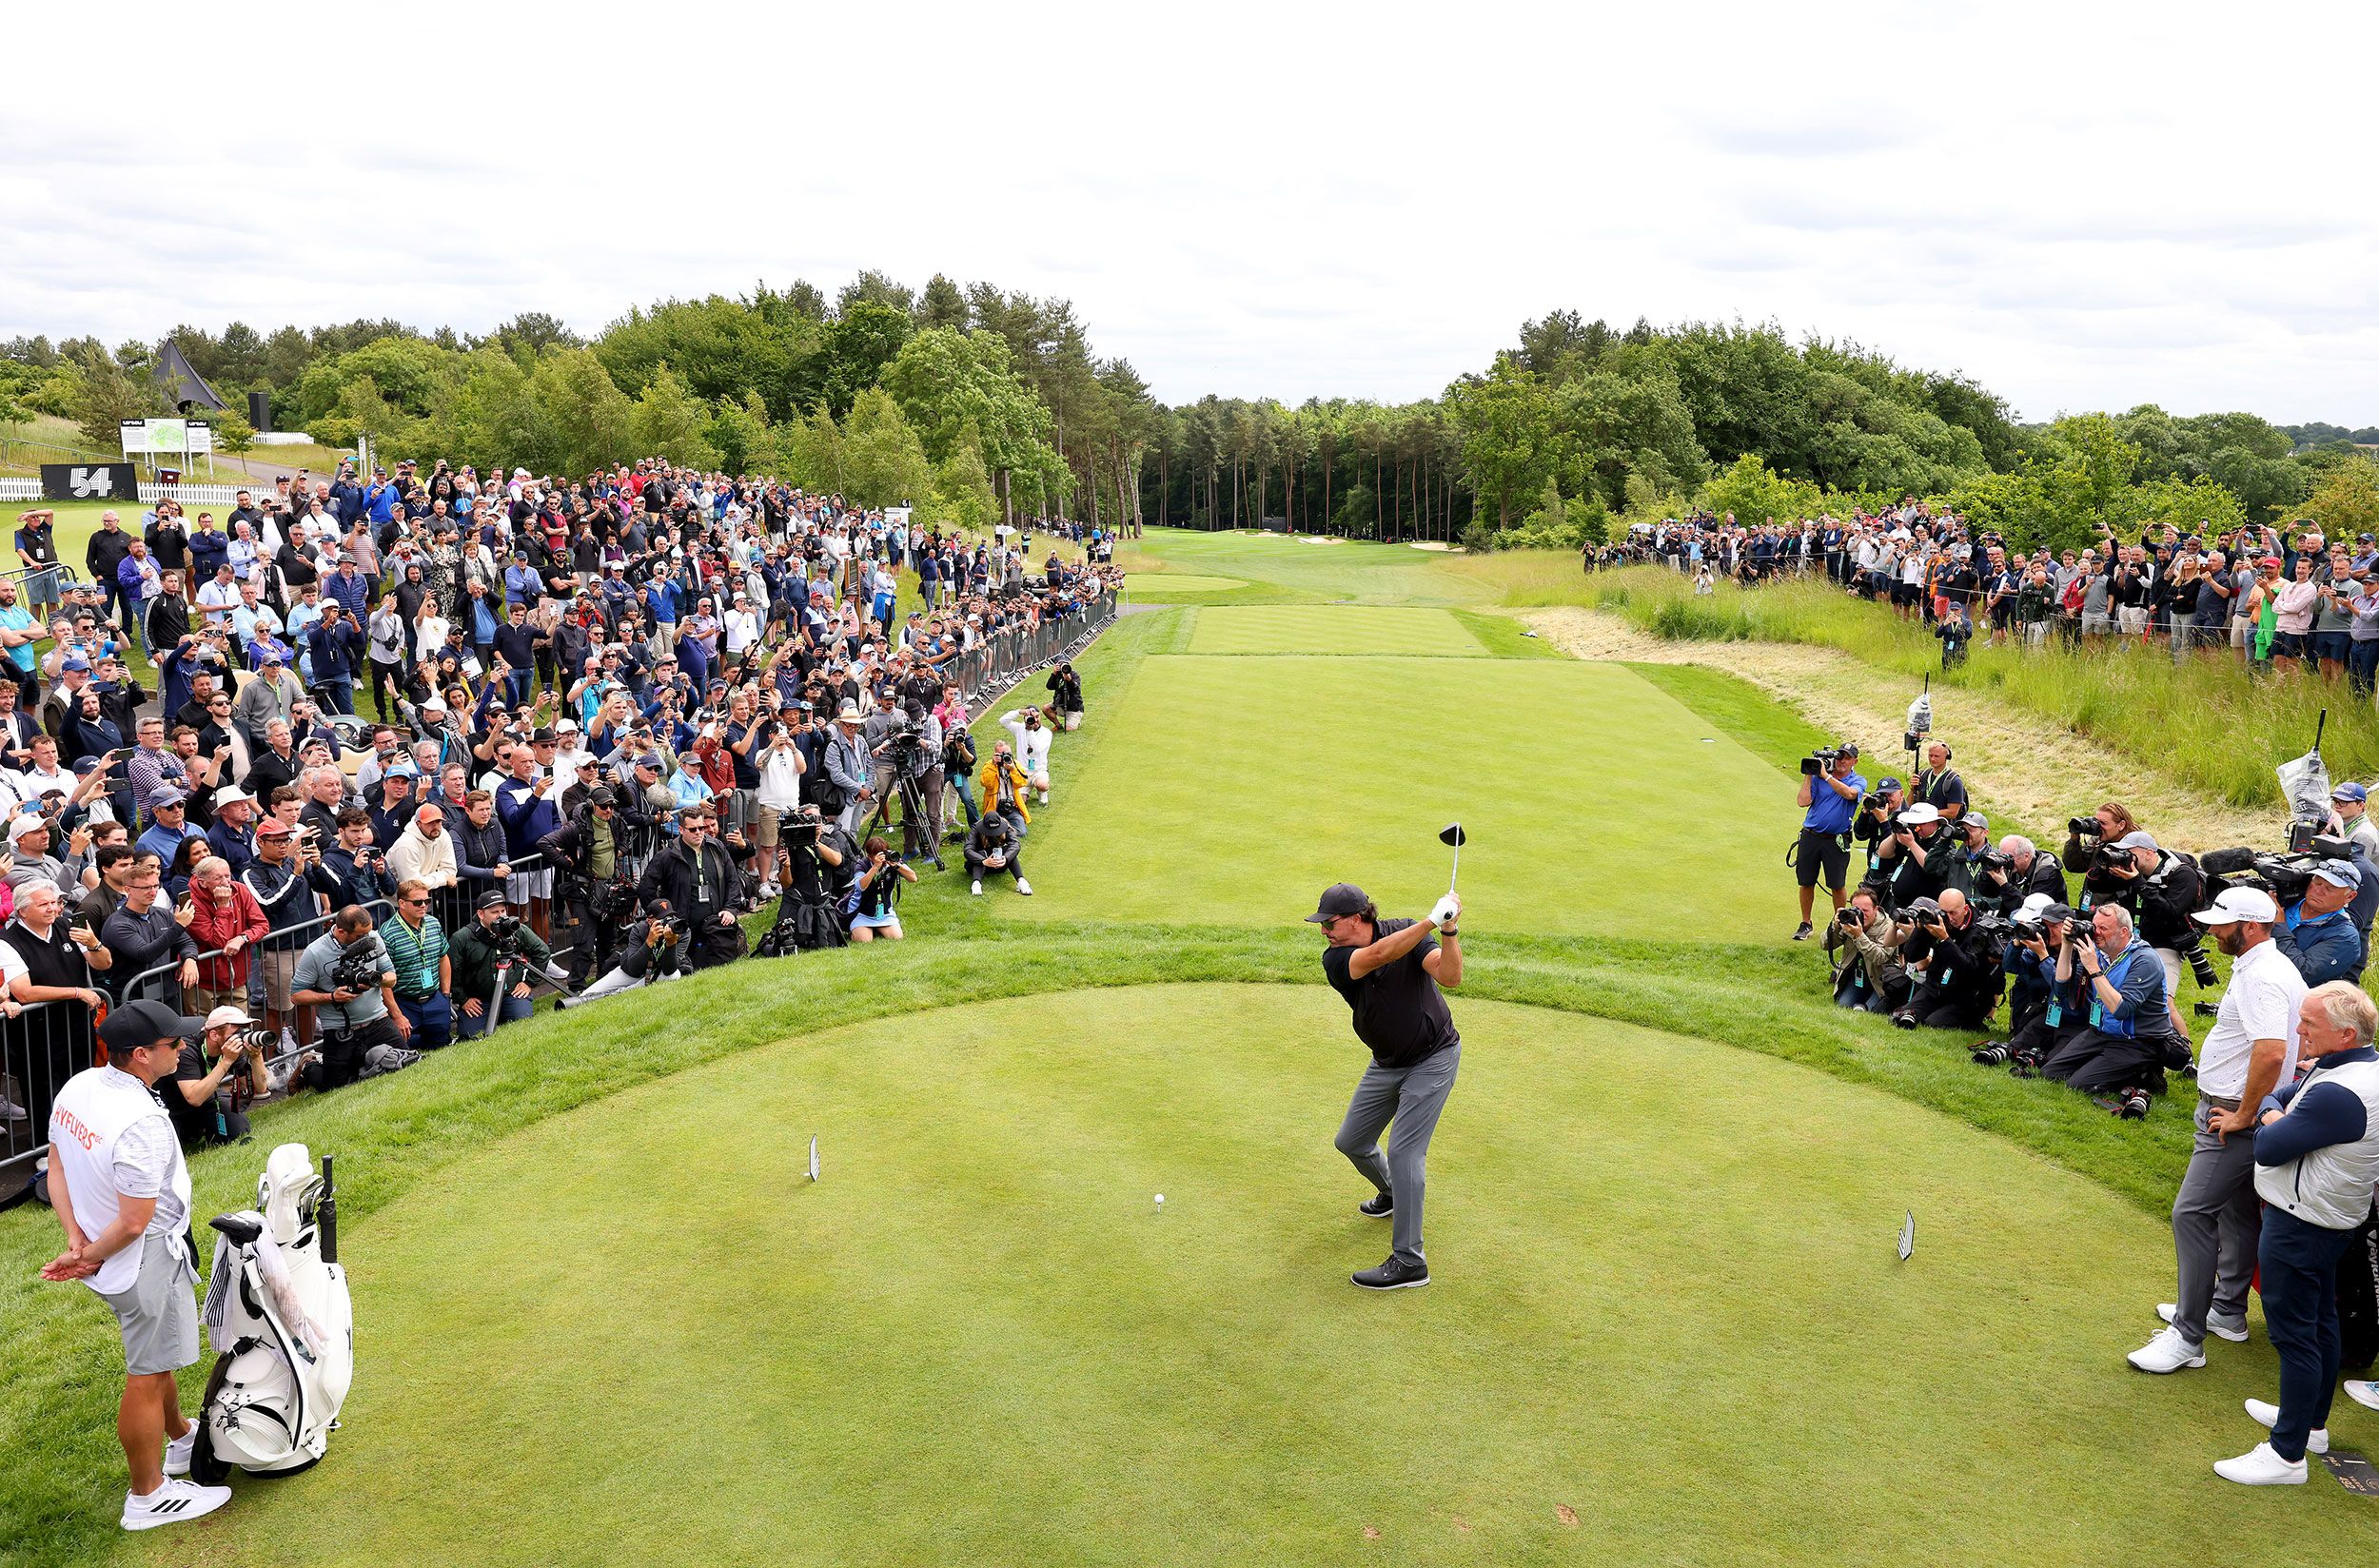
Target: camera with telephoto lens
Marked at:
1849, 918
1993, 924
2084, 827
2134, 1105
505, 934
1991, 1053
358, 968
1997, 860
256, 1042
2111, 858
1818, 761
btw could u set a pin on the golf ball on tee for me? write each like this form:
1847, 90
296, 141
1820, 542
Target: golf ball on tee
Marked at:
1160, 1200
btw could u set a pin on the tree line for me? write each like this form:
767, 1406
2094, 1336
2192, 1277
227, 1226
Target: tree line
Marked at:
977, 404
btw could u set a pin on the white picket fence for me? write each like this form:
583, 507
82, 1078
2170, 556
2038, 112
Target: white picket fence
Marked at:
189, 495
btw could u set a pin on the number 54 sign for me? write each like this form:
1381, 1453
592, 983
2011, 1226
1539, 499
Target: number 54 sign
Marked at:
91, 481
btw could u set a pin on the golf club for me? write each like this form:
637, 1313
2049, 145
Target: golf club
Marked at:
1452, 833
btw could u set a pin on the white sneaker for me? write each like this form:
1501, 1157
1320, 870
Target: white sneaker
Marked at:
2260, 1466
171, 1503
178, 1452
2363, 1392
1023, 887
2166, 1352
2232, 1329
2268, 1415
1044, 797
976, 889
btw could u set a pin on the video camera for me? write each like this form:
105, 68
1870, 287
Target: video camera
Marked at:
2283, 876
1823, 759
358, 968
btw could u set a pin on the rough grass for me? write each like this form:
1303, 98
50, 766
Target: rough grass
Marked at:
984, 1258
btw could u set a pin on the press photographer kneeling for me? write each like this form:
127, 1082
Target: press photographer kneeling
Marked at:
1830, 791
494, 962
1868, 973
648, 954
1954, 960
347, 977
2123, 1043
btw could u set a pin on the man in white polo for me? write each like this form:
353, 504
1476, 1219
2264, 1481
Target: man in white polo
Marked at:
2250, 1051
120, 1190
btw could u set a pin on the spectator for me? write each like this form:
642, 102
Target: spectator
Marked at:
226, 923
149, 933
699, 878
417, 948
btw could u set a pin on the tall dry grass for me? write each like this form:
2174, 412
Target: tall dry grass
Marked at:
2203, 721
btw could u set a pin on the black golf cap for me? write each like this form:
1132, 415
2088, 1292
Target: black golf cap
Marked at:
136, 1024
1338, 899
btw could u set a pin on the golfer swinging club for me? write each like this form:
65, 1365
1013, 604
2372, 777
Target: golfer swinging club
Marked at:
1390, 972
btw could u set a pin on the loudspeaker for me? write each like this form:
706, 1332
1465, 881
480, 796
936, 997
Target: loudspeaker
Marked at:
260, 411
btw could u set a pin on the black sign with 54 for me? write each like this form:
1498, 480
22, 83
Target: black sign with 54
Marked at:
91, 481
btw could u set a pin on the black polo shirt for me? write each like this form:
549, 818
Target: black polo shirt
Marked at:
1399, 1012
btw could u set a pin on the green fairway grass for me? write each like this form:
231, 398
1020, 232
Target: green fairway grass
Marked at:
1310, 570
1178, 584
1236, 789
1666, 1300
1330, 629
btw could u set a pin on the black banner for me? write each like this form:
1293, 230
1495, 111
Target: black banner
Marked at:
117, 481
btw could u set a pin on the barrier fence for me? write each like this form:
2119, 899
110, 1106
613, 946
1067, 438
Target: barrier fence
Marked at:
48, 1041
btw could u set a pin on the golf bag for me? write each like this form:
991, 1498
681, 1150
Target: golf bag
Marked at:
278, 1314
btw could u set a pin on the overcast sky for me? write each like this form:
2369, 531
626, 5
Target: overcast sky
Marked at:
2081, 206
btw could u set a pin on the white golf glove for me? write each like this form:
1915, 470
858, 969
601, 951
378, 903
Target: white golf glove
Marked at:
1448, 909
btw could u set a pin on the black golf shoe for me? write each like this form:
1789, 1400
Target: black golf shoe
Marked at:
1802, 934
1395, 1274
1378, 1207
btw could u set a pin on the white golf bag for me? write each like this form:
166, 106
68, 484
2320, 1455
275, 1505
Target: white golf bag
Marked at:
283, 1331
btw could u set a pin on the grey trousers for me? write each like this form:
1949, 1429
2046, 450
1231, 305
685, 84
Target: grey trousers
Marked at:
2215, 1226
1413, 1097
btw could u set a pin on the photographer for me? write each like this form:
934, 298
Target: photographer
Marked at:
1868, 973
1914, 862
878, 894
648, 949
346, 977
1872, 824
2161, 888
1953, 961
698, 879
910, 760
209, 1104
2316, 933
2124, 1000
849, 790
1830, 791
1003, 785
2028, 871
2045, 1006
586, 853
2083, 835
993, 846
495, 942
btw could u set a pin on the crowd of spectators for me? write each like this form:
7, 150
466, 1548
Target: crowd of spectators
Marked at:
2277, 600
609, 718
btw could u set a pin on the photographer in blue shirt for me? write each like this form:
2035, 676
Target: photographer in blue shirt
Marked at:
1830, 791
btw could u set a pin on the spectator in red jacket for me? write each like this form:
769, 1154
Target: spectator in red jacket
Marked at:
225, 921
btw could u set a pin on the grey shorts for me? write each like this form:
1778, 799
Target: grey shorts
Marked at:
523, 886
159, 1315
2094, 624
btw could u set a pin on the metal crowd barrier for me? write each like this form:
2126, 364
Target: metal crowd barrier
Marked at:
40, 1049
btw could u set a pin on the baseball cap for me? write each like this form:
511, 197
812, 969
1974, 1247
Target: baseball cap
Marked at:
2344, 873
1886, 785
2349, 792
272, 827
2136, 839
162, 796
1920, 814
1338, 899
602, 797
570, 724
2236, 904
76, 663
143, 1022
222, 1017
650, 759
490, 900
30, 822
1974, 820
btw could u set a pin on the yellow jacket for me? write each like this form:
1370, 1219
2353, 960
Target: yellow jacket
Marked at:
987, 780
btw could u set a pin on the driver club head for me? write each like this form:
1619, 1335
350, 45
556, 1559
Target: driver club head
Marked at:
1451, 833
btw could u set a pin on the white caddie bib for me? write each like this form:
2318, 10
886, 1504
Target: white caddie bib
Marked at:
97, 1107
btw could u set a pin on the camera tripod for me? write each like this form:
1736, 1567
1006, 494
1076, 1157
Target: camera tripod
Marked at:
914, 819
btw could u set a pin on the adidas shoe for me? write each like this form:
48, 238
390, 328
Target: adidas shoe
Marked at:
174, 1503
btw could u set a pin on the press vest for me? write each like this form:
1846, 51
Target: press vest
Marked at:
2331, 1186
97, 1107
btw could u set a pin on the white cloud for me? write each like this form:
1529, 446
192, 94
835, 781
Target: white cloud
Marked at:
2079, 206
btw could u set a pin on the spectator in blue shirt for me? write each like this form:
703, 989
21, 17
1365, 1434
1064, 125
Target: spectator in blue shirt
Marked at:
1828, 795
